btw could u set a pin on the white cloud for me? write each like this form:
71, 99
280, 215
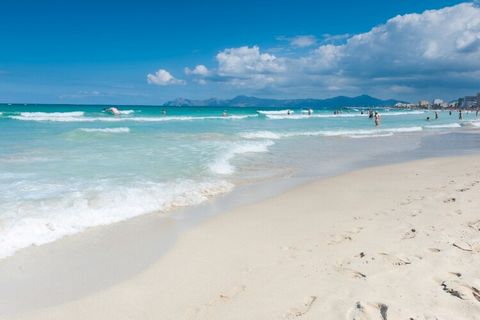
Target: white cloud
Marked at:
163, 78
199, 70
303, 41
246, 61
433, 50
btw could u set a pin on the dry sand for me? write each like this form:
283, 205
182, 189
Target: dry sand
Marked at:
394, 242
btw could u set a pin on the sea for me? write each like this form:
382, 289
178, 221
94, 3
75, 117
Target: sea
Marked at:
66, 168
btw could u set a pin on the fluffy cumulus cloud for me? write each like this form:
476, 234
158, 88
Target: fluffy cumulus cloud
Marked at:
436, 48
247, 66
163, 78
199, 70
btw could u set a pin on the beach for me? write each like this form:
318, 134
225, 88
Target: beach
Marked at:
400, 241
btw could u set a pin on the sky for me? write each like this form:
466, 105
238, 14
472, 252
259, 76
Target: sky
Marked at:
149, 52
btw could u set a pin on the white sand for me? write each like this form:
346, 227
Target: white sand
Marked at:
395, 242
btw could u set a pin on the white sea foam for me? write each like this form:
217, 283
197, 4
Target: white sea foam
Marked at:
365, 136
107, 130
474, 123
275, 112
261, 135
126, 111
330, 133
442, 126
52, 114
222, 164
55, 213
340, 115
67, 118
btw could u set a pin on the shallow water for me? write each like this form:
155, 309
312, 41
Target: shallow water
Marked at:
66, 168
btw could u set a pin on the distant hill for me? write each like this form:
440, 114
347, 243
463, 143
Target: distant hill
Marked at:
244, 101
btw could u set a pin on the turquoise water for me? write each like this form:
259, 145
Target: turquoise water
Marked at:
65, 168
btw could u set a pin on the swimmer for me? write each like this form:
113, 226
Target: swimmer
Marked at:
436, 114
113, 110
377, 119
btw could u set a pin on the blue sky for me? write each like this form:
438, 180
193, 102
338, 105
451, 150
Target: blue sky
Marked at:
147, 52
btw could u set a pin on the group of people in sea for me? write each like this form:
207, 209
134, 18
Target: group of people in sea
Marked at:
460, 114
375, 115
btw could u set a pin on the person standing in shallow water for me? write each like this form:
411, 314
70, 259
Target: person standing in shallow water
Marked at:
436, 114
460, 115
377, 119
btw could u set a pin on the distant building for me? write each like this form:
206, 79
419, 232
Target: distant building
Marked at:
468, 102
424, 104
439, 103
404, 105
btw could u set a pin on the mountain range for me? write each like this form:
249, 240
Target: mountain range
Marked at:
245, 101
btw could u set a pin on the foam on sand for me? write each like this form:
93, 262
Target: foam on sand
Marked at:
222, 164
59, 210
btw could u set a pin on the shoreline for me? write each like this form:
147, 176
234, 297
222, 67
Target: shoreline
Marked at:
203, 232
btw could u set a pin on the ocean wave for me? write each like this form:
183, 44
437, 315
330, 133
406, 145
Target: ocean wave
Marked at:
52, 114
275, 112
222, 164
471, 124
364, 136
66, 118
341, 115
126, 111
442, 126
329, 133
58, 213
106, 130
312, 116
261, 135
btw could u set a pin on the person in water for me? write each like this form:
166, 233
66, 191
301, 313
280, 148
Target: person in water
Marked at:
428, 119
436, 114
112, 110
225, 114
460, 114
377, 119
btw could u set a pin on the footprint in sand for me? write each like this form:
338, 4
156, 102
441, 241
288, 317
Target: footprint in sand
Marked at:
396, 260
227, 295
475, 225
468, 247
410, 234
460, 290
352, 273
368, 311
347, 236
449, 200
303, 309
